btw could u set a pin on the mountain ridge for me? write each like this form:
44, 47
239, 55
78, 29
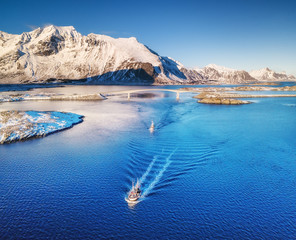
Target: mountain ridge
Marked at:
266, 74
220, 73
59, 54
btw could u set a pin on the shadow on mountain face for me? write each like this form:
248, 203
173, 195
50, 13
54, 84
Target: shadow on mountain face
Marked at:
123, 77
134, 73
153, 52
171, 68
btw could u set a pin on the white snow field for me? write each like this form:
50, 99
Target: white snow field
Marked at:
22, 125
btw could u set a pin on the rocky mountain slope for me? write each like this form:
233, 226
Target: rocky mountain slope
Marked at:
61, 53
266, 74
225, 75
58, 54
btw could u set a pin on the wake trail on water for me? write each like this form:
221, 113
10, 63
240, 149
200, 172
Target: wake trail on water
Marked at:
143, 178
159, 175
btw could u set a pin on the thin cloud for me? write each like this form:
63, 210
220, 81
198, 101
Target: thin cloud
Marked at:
46, 25
33, 27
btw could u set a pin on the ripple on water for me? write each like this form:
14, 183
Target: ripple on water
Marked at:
157, 164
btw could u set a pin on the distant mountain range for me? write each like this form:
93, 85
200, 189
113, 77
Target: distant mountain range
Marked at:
228, 75
268, 74
60, 54
225, 75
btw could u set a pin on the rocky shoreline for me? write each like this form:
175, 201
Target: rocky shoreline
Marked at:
17, 97
229, 95
223, 101
248, 88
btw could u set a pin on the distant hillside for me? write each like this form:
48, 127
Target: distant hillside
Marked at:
225, 75
266, 74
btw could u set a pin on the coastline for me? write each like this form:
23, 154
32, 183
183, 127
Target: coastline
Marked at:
23, 125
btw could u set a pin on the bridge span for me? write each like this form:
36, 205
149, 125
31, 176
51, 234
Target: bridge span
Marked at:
129, 92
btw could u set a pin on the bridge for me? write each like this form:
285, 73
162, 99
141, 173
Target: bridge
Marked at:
129, 92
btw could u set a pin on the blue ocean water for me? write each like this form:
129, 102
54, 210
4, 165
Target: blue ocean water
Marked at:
207, 172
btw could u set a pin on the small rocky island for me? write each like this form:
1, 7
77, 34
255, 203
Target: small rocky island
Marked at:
20, 125
220, 98
222, 101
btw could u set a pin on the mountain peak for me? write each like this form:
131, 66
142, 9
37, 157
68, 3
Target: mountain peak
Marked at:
268, 74
60, 28
220, 68
224, 74
133, 39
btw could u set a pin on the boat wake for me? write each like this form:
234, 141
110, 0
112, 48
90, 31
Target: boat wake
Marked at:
156, 160
159, 175
143, 178
150, 185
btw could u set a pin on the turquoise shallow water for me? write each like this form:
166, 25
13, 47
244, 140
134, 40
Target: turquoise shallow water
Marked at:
208, 172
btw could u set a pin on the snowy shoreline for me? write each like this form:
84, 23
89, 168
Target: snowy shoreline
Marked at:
23, 125
12, 97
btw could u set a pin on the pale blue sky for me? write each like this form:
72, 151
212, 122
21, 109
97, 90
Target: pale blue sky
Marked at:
242, 34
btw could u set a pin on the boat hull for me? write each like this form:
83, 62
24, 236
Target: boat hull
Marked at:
133, 199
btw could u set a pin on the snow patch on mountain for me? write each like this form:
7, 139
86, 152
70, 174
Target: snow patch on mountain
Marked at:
225, 75
266, 74
220, 68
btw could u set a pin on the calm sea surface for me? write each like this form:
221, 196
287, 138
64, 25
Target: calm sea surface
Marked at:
207, 172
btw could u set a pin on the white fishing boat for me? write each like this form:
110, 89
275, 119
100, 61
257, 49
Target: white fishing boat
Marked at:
135, 192
151, 129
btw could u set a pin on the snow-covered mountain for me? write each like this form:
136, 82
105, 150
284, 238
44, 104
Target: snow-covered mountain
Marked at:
57, 54
225, 75
61, 53
266, 74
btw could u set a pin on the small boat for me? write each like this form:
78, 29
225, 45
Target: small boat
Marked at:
151, 129
135, 192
